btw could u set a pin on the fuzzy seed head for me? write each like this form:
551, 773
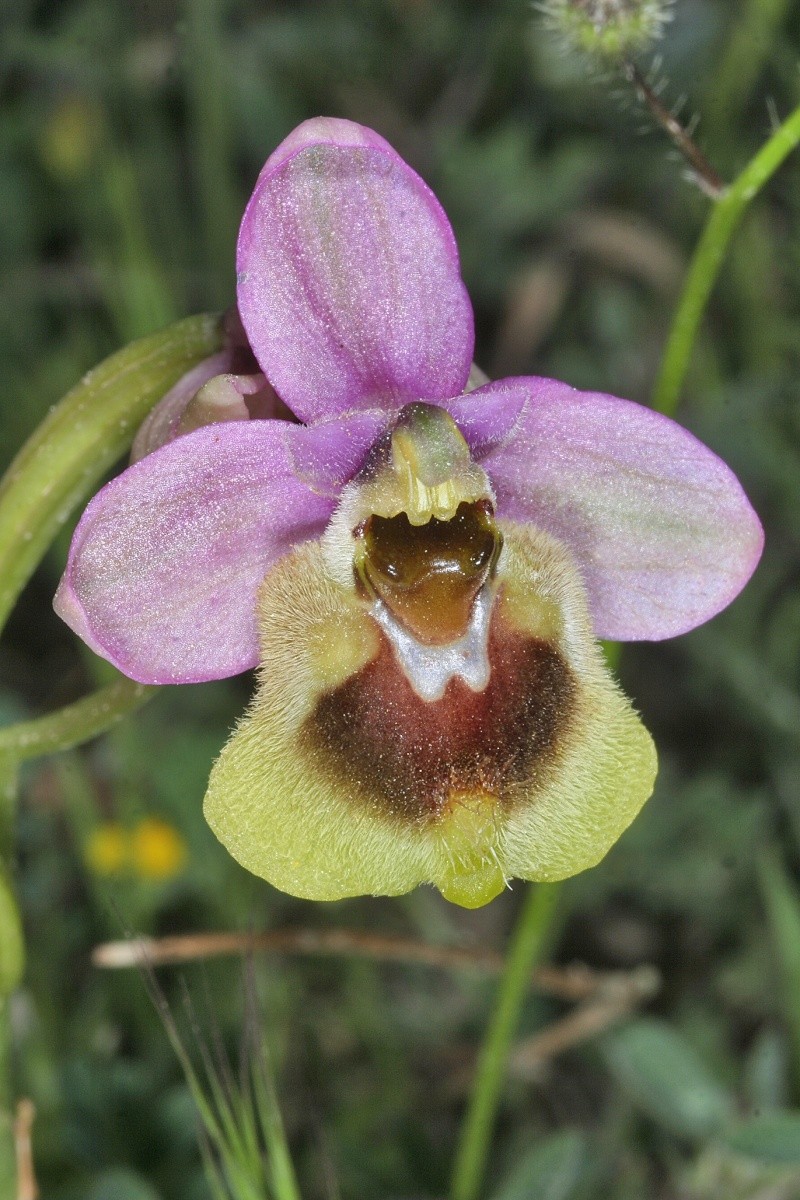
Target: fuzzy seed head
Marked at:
607, 29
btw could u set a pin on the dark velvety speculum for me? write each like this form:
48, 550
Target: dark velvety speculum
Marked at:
378, 737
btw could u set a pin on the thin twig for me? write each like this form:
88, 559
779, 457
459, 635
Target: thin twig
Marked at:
617, 997
568, 983
707, 178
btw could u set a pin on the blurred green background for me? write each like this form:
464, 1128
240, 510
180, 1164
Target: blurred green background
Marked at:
130, 135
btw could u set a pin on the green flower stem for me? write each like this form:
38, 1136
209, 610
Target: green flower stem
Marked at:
12, 957
709, 256
66, 458
525, 952
58, 469
75, 724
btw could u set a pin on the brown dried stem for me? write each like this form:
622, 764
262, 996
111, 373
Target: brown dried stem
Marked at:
617, 995
573, 983
27, 1188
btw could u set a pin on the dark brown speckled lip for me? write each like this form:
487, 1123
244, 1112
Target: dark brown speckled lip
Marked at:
382, 743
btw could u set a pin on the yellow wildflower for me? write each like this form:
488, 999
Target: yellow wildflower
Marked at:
157, 850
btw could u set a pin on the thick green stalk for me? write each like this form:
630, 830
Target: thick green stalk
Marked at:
76, 723
57, 469
525, 952
709, 256
12, 957
68, 455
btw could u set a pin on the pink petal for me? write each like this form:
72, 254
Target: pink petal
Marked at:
659, 525
328, 454
489, 422
167, 559
349, 286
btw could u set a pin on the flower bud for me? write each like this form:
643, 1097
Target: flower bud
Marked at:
608, 28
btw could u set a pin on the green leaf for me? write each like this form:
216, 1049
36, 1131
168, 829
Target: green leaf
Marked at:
772, 1139
664, 1077
553, 1170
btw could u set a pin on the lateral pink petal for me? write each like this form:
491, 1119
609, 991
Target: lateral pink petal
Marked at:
659, 526
327, 454
166, 561
349, 285
488, 418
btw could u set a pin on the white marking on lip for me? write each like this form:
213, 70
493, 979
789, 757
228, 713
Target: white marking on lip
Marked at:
429, 669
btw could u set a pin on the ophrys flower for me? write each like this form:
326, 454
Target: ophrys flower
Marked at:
421, 572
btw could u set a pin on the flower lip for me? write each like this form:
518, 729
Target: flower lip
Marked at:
343, 779
417, 753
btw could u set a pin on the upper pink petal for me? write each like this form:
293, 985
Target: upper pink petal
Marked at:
348, 277
166, 561
659, 526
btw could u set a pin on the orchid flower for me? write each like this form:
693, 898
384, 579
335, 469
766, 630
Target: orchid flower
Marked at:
420, 572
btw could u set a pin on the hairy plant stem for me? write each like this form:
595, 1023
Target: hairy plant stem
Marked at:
709, 257
528, 944
708, 180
